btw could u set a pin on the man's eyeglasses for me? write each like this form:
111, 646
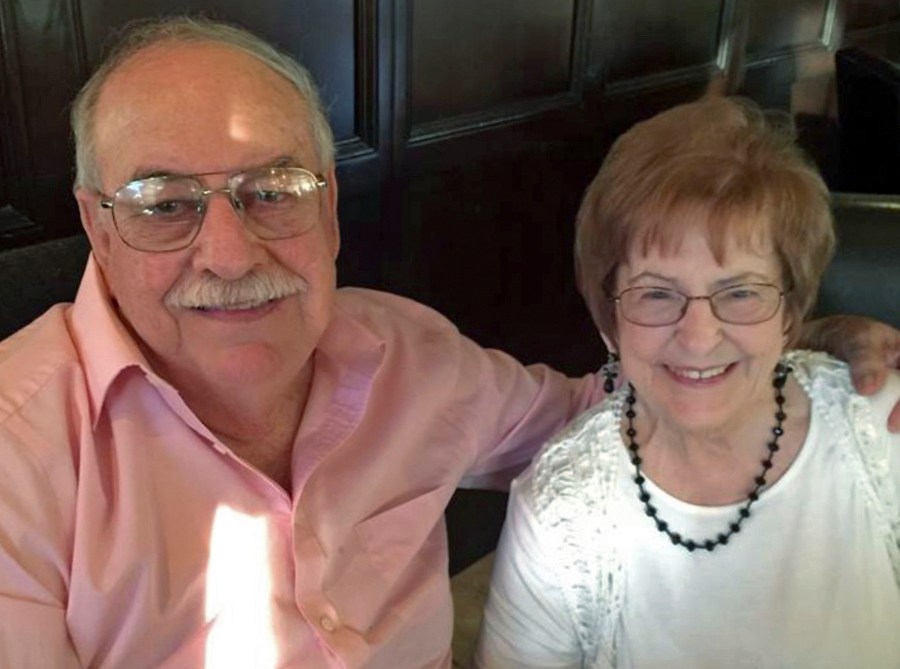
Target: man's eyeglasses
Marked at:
165, 213
744, 304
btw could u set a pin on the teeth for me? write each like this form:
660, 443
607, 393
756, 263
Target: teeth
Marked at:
700, 373
238, 306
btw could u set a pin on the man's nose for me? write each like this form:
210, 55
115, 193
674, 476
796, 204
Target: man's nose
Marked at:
225, 246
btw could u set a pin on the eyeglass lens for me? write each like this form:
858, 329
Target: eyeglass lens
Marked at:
165, 213
743, 304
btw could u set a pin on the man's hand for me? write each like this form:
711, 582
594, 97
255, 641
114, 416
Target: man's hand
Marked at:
871, 348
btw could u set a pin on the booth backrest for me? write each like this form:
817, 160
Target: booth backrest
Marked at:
864, 277
34, 278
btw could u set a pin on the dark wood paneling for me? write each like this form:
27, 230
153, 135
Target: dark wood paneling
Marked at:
777, 26
634, 40
42, 73
317, 32
864, 14
468, 56
489, 243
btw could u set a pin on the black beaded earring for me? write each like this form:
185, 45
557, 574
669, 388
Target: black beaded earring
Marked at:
610, 370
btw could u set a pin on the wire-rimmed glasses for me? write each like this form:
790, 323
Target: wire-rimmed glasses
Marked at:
165, 213
743, 304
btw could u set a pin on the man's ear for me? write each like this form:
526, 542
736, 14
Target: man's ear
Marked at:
92, 220
333, 231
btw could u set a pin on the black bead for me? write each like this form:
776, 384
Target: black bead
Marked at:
608, 386
760, 480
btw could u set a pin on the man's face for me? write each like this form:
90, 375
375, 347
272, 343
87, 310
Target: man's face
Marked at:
197, 109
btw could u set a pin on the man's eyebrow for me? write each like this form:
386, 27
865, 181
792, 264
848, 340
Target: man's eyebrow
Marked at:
151, 171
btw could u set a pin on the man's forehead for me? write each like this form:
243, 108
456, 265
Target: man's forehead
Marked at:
198, 108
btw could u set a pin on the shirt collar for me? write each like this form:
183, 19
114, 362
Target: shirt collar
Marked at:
105, 346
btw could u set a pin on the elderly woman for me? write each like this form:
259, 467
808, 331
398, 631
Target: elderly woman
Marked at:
731, 505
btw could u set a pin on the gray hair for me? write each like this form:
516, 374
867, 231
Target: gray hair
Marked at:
143, 34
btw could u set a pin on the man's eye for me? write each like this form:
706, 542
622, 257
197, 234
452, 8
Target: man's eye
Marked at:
169, 209
271, 196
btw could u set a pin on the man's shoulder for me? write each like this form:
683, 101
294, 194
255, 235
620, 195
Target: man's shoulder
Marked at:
386, 313
32, 358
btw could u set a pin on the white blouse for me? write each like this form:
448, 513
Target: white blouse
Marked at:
583, 578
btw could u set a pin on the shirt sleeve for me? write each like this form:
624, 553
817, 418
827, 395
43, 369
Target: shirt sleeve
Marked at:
510, 410
34, 555
527, 623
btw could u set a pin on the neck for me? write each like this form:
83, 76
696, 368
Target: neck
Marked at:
715, 467
258, 422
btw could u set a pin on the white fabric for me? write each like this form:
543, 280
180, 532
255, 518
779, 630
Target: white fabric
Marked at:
584, 579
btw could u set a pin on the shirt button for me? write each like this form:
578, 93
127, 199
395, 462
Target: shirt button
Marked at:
327, 623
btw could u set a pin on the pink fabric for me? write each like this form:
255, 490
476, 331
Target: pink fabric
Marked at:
131, 537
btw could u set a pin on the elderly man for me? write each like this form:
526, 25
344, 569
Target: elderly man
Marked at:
213, 458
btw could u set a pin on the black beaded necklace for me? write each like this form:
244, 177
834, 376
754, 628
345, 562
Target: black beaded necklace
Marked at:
781, 373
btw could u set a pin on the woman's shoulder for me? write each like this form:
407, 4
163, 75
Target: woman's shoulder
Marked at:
828, 383
577, 466
820, 373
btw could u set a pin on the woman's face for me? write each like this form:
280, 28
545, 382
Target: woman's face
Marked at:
701, 375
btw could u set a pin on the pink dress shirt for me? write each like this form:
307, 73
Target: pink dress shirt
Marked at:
131, 537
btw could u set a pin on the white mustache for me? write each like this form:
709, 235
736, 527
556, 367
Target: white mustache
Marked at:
211, 292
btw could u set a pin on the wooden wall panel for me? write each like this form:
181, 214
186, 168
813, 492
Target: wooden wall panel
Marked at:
636, 40
42, 69
778, 26
865, 14
319, 33
469, 56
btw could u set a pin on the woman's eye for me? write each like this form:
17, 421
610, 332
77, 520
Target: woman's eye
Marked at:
657, 295
740, 293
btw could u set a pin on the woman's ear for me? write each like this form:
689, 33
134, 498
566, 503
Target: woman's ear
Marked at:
608, 342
